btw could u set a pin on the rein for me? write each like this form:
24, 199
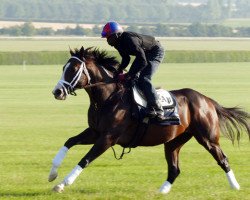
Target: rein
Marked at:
98, 84
122, 154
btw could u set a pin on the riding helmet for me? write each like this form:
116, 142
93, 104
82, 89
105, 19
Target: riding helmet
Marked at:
111, 28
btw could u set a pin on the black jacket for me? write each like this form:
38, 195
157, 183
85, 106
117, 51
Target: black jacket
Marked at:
130, 43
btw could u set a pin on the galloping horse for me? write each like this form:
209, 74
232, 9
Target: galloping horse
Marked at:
110, 121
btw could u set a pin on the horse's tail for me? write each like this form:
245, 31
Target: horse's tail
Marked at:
232, 120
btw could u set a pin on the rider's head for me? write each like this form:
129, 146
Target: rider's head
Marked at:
111, 31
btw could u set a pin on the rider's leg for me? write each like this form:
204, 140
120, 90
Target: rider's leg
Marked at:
154, 57
154, 108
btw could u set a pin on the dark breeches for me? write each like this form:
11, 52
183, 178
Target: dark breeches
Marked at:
154, 58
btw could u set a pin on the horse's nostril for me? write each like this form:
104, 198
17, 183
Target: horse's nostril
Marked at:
57, 92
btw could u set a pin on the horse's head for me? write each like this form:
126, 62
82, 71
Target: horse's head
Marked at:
75, 75
84, 68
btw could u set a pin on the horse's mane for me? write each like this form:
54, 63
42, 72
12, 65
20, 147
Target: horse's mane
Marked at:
100, 57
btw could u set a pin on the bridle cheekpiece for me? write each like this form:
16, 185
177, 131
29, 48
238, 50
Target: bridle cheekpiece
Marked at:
71, 85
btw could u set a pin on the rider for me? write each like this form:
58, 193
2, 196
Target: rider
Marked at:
148, 55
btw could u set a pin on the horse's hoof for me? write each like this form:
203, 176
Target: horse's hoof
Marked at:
165, 188
52, 176
59, 188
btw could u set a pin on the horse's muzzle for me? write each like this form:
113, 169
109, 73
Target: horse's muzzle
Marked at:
59, 94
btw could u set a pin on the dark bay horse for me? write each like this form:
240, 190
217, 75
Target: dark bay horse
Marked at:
110, 121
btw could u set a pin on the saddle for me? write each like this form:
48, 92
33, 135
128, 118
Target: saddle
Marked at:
167, 101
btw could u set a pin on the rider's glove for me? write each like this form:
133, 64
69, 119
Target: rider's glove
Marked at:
122, 77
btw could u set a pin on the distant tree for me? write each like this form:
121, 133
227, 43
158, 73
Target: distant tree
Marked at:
102, 13
163, 13
28, 29
97, 30
133, 13
129, 11
87, 32
243, 32
45, 31
197, 30
66, 31
31, 12
162, 30
118, 13
12, 31
13, 10
216, 30
78, 30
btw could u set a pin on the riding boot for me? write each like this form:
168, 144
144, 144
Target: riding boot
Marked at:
159, 111
150, 111
155, 109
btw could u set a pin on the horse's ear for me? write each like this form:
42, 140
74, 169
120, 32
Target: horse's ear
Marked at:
82, 51
71, 51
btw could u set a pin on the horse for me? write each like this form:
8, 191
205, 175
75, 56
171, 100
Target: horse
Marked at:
110, 121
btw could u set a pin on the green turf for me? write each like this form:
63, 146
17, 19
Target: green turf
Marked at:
33, 126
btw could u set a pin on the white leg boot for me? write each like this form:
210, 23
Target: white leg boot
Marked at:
69, 179
232, 180
165, 188
56, 163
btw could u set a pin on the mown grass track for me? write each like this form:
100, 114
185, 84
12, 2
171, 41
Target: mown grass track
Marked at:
33, 126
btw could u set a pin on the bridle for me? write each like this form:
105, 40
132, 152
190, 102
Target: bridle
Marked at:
76, 78
71, 85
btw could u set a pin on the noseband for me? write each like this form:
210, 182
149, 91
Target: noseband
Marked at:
72, 84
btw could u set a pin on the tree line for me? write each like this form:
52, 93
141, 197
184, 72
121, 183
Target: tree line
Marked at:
160, 30
129, 11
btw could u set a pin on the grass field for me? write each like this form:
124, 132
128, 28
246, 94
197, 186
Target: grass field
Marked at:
61, 44
33, 126
237, 22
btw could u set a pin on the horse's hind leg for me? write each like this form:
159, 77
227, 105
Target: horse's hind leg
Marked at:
211, 144
172, 149
86, 137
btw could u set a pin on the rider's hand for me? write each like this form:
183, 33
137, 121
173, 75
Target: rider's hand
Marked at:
122, 77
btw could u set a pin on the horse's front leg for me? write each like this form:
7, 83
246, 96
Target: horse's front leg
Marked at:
88, 136
101, 145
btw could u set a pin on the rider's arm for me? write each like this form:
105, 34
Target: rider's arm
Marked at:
140, 61
125, 61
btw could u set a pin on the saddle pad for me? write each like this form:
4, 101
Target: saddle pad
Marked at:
164, 97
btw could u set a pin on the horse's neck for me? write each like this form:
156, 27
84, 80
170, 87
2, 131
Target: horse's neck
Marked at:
101, 93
